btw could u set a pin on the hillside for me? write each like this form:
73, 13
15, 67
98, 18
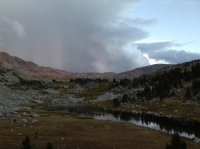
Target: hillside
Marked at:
31, 70
147, 70
159, 91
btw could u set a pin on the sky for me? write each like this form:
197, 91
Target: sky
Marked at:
100, 36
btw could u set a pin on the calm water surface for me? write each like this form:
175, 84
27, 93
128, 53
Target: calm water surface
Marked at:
186, 129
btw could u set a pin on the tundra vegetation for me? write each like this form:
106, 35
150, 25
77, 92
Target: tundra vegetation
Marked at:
173, 91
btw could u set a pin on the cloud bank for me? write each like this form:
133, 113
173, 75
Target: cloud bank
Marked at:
80, 36
167, 51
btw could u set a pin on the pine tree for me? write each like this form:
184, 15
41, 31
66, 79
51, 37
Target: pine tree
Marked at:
176, 143
26, 143
188, 94
49, 145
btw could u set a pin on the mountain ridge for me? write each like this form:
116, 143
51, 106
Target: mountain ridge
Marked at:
31, 70
146, 70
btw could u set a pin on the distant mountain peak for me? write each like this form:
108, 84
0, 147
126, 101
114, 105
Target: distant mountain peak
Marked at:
33, 71
29, 69
12, 62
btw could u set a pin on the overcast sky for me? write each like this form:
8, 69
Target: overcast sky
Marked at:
100, 35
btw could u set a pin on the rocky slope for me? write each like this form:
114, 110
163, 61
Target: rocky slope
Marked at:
16, 91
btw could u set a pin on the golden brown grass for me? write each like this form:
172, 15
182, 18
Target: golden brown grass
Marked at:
173, 107
72, 132
94, 92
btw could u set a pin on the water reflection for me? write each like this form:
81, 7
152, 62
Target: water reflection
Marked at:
169, 125
189, 129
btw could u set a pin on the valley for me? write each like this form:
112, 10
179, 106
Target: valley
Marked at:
161, 91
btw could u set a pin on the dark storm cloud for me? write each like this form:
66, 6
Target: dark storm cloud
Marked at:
154, 46
167, 51
73, 35
137, 21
